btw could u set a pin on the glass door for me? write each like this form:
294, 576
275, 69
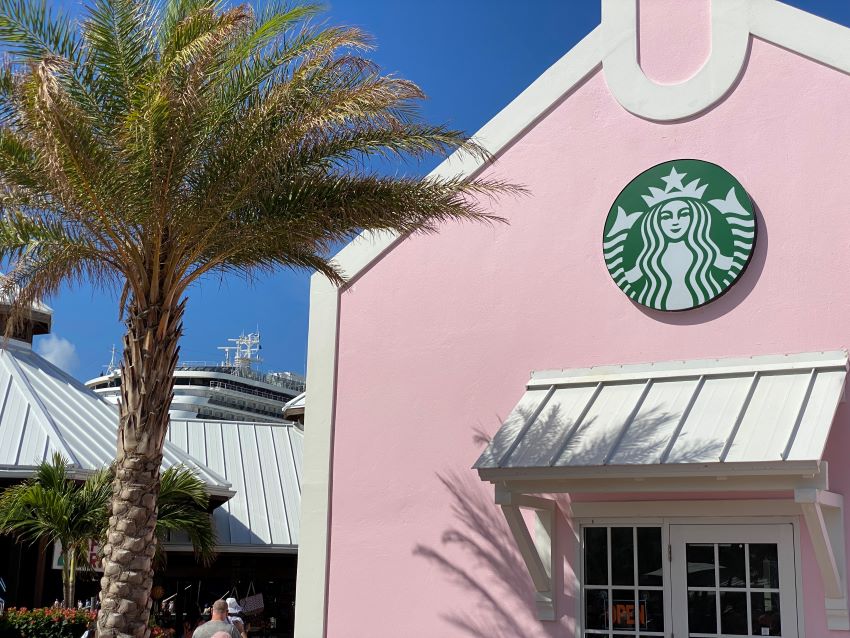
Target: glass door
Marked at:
733, 580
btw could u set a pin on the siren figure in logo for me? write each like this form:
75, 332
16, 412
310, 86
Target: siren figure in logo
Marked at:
678, 256
678, 263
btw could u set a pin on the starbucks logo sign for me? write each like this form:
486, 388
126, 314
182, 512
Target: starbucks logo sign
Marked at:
679, 235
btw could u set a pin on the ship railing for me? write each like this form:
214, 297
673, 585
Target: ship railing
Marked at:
241, 389
275, 379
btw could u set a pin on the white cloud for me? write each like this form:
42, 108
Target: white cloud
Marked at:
58, 351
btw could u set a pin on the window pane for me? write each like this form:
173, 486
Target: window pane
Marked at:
732, 567
702, 612
622, 556
733, 612
649, 556
596, 609
764, 566
700, 565
651, 614
623, 611
595, 556
766, 620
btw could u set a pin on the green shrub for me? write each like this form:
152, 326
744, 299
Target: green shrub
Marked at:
48, 622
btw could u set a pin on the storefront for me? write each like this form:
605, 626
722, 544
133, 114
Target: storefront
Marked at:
676, 464
252, 472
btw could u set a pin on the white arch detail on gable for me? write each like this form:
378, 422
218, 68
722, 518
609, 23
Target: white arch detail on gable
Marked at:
730, 36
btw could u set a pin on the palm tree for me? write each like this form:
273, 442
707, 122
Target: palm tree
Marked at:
161, 141
53, 506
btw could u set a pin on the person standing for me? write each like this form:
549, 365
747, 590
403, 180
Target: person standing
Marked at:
218, 623
233, 611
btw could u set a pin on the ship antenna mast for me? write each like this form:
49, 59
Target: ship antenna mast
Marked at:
112, 367
244, 354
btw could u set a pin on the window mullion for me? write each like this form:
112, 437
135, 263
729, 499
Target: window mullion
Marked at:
635, 581
610, 587
747, 585
717, 584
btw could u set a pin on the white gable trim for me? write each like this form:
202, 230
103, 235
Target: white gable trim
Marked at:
611, 45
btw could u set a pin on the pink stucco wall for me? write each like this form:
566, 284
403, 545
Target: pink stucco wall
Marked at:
674, 38
437, 339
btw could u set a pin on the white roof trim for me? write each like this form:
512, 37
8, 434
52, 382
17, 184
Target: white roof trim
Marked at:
688, 369
790, 28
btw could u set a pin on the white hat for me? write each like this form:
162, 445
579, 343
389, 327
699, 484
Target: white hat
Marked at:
232, 606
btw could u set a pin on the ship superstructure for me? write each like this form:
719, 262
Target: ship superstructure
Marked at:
231, 390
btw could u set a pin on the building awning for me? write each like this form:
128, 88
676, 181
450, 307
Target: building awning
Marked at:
760, 416
756, 424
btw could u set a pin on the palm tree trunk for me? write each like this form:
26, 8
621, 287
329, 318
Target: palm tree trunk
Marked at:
69, 576
150, 356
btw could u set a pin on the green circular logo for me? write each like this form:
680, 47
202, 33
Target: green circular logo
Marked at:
679, 235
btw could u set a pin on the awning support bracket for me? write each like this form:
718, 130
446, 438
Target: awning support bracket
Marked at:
535, 549
824, 515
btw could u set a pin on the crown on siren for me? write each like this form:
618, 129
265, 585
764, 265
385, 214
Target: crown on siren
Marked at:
674, 189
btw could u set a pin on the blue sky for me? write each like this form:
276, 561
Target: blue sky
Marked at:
470, 56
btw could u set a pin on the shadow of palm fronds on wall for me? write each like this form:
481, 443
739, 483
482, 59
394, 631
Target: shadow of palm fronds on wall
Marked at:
477, 551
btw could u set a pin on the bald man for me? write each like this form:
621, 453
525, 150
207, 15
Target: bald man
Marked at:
218, 627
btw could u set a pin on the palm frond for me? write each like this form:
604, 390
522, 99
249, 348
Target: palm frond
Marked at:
32, 30
183, 507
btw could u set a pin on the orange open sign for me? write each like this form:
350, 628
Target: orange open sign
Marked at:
624, 614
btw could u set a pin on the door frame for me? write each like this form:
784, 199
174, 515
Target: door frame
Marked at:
579, 523
780, 534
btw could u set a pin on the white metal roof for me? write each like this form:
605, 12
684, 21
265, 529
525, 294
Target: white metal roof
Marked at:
263, 463
730, 411
45, 410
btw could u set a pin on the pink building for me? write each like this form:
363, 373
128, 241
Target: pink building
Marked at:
676, 279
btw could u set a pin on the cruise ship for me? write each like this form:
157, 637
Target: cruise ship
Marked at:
232, 390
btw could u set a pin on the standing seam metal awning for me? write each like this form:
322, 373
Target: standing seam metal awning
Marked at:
681, 426
770, 410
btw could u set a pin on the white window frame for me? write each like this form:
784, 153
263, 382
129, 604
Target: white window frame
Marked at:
665, 523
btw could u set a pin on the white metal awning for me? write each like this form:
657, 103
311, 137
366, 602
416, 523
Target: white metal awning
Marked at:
760, 416
734, 424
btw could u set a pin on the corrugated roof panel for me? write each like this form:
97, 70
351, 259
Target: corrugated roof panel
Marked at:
655, 423
274, 500
709, 424
735, 410
816, 420
552, 425
769, 418
512, 427
45, 409
288, 448
33, 446
12, 423
263, 463
180, 438
240, 520
256, 488
600, 429
296, 440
